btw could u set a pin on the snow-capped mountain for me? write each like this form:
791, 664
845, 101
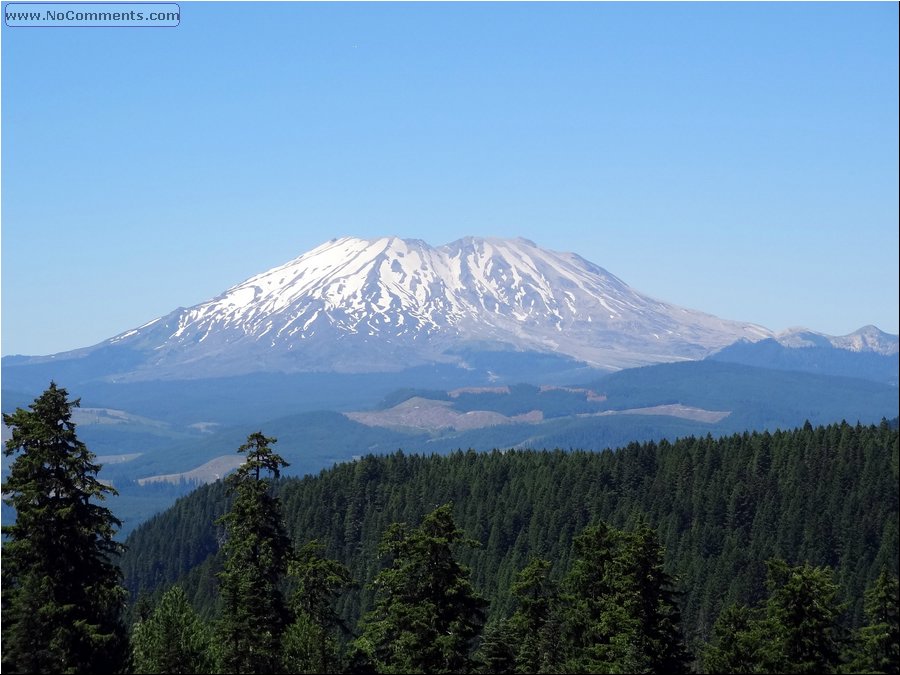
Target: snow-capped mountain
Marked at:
363, 305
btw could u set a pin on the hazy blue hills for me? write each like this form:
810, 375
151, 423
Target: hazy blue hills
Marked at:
757, 397
259, 396
820, 357
753, 396
159, 439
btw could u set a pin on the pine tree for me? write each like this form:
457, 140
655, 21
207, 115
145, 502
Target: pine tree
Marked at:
737, 642
658, 618
879, 640
497, 653
618, 608
172, 638
802, 619
257, 551
62, 598
536, 595
426, 613
596, 626
310, 643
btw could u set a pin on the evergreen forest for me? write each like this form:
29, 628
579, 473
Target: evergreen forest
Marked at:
755, 552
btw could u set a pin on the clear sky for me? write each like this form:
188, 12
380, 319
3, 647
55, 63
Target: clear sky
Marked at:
740, 159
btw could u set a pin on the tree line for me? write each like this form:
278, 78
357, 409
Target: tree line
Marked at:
609, 605
720, 507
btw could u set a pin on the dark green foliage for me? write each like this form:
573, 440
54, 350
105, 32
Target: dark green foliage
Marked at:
172, 639
721, 507
802, 620
426, 613
62, 599
318, 583
164, 554
256, 554
307, 647
532, 624
497, 653
597, 627
796, 630
879, 640
618, 610
529, 640
651, 598
310, 643
737, 644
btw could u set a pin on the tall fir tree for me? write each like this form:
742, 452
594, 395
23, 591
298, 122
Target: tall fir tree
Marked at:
879, 640
655, 607
426, 615
802, 620
796, 630
172, 639
257, 550
737, 643
618, 608
531, 623
62, 597
597, 626
497, 653
311, 642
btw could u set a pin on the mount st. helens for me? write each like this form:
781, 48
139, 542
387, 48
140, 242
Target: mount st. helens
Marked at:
417, 345
358, 305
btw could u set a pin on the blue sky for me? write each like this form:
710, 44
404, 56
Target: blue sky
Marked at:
741, 159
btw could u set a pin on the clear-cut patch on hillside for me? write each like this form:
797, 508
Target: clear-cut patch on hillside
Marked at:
211, 471
422, 414
433, 416
672, 410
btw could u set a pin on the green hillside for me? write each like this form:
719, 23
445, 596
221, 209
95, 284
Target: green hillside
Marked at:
722, 507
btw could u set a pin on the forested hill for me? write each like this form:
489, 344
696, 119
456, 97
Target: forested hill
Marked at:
722, 507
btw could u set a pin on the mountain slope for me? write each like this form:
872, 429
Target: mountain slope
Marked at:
867, 353
826, 495
357, 305
866, 340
